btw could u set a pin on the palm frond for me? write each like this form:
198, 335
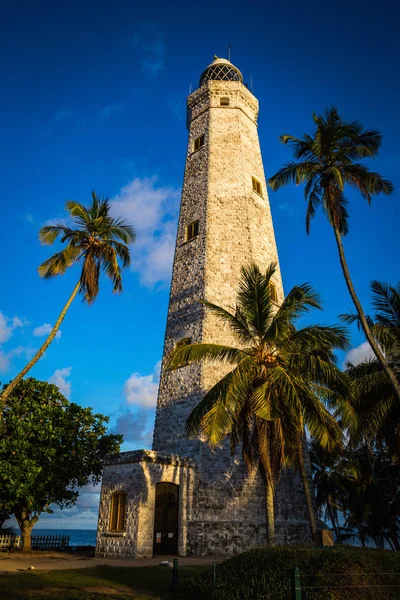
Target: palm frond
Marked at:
236, 322
49, 233
59, 262
203, 351
386, 301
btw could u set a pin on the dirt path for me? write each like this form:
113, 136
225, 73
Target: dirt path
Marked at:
50, 561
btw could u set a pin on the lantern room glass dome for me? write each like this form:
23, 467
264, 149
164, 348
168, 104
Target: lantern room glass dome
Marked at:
221, 70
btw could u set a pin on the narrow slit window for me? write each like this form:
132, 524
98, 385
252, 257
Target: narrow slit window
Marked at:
117, 514
256, 186
224, 102
198, 143
272, 291
183, 342
192, 231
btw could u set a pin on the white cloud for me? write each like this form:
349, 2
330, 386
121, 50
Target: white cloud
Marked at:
141, 390
361, 353
7, 327
8, 324
6, 357
59, 378
152, 210
45, 329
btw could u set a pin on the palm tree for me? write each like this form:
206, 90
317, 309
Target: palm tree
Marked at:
327, 484
98, 243
326, 162
278, 381
373, 395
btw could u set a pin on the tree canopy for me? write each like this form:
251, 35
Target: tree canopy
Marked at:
49, 448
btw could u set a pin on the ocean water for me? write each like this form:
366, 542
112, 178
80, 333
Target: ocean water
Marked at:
78, 537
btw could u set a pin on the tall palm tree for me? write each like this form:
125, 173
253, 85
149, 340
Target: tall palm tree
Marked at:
98, 242
279, 380
373, 395
327, 484
327, 161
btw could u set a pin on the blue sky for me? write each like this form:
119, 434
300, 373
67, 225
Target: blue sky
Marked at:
93, 96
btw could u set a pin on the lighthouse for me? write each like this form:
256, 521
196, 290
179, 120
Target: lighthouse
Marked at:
182, 497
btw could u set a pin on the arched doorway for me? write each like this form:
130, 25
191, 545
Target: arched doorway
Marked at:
166, 519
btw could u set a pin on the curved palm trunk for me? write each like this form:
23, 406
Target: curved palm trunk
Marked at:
334, 522
269, 506
307, 494
375, 347
43, 348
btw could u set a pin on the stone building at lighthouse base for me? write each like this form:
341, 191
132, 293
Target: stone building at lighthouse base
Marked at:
181, 497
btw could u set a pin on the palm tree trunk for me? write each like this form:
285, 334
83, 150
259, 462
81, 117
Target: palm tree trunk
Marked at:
269, 506
334, 522
374, 345
307, 494
43, 348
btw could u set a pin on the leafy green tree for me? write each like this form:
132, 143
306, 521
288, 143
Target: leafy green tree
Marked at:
49, 448
279, 378
326, 162
98, 242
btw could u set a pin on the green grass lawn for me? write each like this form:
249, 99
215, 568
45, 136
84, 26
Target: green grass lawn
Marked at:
95, 583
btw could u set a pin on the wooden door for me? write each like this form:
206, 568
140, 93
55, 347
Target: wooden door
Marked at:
166, 519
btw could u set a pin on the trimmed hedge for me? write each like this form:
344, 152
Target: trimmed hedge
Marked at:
265, 574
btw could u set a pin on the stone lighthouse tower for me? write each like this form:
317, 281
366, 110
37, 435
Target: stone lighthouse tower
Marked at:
181, 496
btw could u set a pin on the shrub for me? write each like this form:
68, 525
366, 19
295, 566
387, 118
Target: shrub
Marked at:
265, 574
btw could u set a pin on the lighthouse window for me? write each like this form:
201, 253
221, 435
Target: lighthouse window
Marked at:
224, 101
198, 143
256, 186
183, 342
272, 291
117, 514
192, 231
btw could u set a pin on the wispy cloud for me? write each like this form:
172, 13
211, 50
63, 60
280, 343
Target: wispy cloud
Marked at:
8, 325
45, 329
109, 110
150, 42
63, 113
59, 378
362, 353
6, 358
176, 104
286, 209
152, 210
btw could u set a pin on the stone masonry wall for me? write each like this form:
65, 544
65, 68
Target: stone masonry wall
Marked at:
235, 228
137, 473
